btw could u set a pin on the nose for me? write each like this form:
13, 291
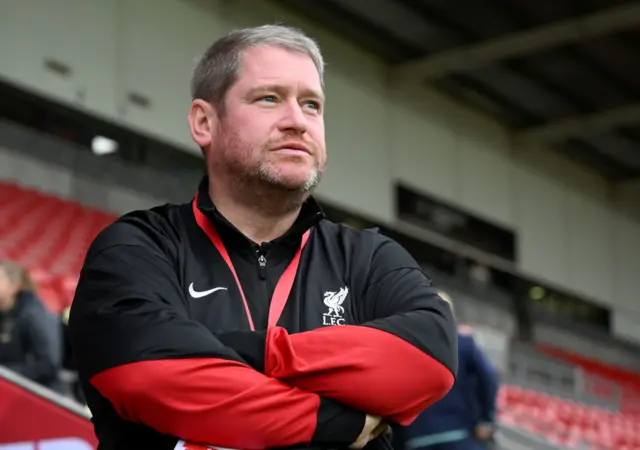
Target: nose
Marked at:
293, 119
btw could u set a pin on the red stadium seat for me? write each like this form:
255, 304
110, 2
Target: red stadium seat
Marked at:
567, 423
51, 240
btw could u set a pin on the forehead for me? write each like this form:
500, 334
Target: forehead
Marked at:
268, 65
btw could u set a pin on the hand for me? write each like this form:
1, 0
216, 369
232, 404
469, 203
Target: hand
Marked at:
484, 432
373, 427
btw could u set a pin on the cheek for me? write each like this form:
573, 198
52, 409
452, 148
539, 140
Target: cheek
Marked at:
316, 133
251, 139
321, 148
239, 143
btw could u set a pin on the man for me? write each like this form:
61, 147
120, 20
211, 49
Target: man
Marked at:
244, 319
463, 419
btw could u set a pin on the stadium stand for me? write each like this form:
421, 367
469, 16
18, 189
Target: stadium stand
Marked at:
604, 378
568, 423
50, 240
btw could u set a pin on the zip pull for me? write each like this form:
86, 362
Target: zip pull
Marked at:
262, 265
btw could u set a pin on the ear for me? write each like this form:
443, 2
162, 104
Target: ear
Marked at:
203, 122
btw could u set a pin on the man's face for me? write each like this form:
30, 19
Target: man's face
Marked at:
272, 129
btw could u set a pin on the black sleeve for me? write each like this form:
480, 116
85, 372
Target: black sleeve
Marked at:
401, 300
132, 338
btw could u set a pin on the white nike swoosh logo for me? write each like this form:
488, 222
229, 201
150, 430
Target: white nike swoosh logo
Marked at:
196, 294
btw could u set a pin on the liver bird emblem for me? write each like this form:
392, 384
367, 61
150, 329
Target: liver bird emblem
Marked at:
334, 301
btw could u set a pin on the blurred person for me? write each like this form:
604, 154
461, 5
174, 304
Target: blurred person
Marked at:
464, 418
244, 318
30, 344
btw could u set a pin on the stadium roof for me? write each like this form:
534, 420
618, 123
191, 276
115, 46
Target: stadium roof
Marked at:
565, 73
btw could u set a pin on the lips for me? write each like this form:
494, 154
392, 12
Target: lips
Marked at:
293, 146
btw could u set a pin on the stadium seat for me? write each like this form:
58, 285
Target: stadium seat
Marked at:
49, 236
567, 423
603, 375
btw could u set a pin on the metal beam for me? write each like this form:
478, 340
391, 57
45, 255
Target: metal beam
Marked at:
564, 129
521, 43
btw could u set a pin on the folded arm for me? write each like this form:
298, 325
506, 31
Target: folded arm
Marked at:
395, 365
135, 344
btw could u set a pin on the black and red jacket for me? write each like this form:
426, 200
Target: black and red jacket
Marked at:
168, 349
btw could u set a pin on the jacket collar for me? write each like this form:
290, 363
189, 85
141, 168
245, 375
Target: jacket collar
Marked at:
310, 214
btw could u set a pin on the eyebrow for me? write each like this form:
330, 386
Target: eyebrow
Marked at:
281, 90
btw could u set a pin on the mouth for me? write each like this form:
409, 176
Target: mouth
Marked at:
293, 147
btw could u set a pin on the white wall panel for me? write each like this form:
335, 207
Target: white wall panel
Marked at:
357, 149
484, 171
423, 143
590, 249
7, 31
626, 265
540, 212
79, 34
442, 149
570, 175
159, 42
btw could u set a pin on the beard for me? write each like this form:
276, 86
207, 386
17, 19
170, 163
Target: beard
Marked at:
269, 175
260, 180
250, 165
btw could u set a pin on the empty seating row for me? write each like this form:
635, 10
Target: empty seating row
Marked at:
49, 236
568, 423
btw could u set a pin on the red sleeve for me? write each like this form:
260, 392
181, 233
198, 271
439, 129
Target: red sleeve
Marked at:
365, 368
215, 401
396, 364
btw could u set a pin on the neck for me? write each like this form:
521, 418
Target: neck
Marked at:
260, 215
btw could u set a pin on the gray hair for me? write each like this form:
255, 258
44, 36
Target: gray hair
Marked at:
219, 67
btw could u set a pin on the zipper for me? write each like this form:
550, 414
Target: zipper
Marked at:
262, 262
262, 251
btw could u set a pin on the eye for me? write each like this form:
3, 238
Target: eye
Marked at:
268, 99
312, 104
